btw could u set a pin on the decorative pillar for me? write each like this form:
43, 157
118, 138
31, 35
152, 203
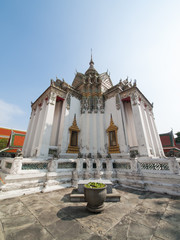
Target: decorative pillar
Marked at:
35, 142
87, 130
31, 135
60, 136
150, 130
143, 146
147, 128
47, 126
123, 120
94, 134
100, 133
156, 136
28, 133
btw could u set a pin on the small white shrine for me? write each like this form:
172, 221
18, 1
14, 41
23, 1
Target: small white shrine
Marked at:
90, 130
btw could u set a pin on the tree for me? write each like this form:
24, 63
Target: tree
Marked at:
3, 143
177, 139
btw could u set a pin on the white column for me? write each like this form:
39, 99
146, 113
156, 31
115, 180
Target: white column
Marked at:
95, 133
47, 126
100, 133
124, 138
28, 132
82, 136
65, 131
150, 130
143, 146
56, 124
147, 128
38, 128
87, 133
130, 127
61, 124
31, 135
90, 131
158, 141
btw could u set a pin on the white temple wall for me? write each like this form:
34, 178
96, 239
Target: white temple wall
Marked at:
56, 124
110, 108
68, 120
92, 134
101, 133
131, 132
83, 133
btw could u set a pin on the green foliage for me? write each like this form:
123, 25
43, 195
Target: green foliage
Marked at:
178, 137
3, 143
94, 185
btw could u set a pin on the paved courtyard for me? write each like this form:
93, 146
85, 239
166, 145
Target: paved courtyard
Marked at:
47, 216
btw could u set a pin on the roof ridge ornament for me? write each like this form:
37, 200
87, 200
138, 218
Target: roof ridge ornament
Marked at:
91, 63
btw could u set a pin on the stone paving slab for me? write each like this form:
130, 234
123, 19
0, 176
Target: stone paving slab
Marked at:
52, 216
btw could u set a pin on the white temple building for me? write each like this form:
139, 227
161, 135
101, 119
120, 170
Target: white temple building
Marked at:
90, 130
92, 118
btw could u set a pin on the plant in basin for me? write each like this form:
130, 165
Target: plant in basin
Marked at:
95, 195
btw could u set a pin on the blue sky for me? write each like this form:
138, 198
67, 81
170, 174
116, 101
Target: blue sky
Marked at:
42, 39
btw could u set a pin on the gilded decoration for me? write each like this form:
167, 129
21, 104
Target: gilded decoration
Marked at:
73, 143
113, 140
68, 101
118, 101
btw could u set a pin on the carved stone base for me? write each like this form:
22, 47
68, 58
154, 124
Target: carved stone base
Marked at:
72, 149
114, 149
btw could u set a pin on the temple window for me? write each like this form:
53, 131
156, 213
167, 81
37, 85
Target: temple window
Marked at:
84, 165
74, 135
113, 140
104, 165
94, 165
73, 143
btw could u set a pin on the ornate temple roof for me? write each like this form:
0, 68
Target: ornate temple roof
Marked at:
91, 73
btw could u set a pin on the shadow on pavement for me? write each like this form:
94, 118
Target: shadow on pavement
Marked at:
74, 212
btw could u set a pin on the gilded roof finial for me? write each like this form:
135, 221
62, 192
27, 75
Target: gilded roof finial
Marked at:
91, 63
111, 120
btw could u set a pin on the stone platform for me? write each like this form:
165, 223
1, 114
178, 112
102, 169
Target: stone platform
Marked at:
52, 216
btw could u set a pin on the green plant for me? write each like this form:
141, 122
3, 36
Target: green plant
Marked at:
94, 185
3, 143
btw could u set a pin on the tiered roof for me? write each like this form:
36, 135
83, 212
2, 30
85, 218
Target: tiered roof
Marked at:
168, 142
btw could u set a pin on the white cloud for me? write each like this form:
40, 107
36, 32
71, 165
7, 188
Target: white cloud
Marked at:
8, 113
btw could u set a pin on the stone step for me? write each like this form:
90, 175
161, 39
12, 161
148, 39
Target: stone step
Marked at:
110, 197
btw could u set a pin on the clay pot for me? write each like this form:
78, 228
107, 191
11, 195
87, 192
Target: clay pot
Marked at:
95, 198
